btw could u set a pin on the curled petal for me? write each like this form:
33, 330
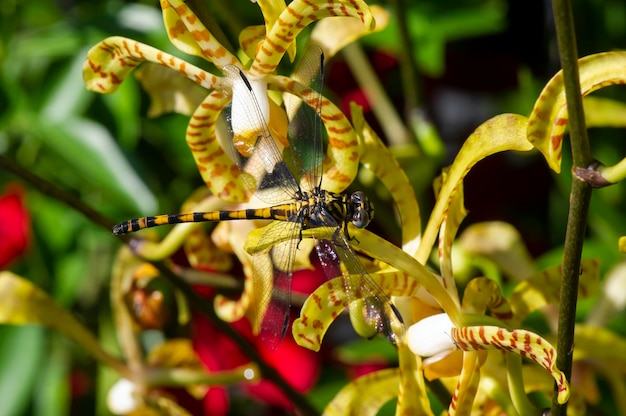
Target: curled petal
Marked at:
500, 133
112, 60
467, 386
549, 117
544, 288
298, 15
169, 91
482, 293
365, 395
250, 38
328, 301
221, 175
501, 243
519, 341
272, 10
334, 34
189, 35
450, 224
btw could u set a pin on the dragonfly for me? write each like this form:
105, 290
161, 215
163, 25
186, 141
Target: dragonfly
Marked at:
296, 206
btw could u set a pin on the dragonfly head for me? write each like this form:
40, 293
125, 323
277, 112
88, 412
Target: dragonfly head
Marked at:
362, 210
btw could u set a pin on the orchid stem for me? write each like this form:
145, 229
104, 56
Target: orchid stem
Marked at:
580, 194
390, 121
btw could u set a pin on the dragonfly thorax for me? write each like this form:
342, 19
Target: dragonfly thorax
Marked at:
355, 208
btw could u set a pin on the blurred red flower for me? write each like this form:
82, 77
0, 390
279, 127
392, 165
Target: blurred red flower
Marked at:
14, 224
298, 366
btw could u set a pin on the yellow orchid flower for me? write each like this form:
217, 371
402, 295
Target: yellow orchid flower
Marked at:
112, 60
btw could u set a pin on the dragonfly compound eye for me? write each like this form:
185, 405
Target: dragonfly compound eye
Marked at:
361, 218
363, 210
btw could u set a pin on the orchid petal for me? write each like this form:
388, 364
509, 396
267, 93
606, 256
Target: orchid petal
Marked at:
365, 395
335, 34
221, 175
325, 304
113, 59
467, 386
200, 249
169, 91
271, 10
412, 397
250, 38
604, 112
600, 343
257, 279
549, 117
501, 243
298, 15
377, 158
544, 288
482, 293
519, 341
450, 224
189, 35
500, 133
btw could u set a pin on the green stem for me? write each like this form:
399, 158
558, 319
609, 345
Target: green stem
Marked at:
580, 194
198, 303
408, 66
382, 107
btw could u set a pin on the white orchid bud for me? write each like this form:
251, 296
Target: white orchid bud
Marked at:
431, 336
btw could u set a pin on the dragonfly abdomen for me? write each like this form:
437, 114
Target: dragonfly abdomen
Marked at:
283, 212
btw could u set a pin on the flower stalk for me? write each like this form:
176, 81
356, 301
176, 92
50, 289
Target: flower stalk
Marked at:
580, 194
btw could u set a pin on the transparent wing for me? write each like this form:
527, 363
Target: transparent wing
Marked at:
256, 152
306, 133
378, 312
277, 264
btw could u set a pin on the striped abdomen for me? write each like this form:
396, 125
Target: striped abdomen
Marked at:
279, 212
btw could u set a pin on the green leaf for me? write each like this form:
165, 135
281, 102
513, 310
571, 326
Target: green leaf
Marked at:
23, 303
21, 353
53, 395
91, 150
68, 96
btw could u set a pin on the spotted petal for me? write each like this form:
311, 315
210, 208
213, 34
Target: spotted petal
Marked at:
298, 15
112, 60
519, 341
325, 304
549, 117
189, 35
